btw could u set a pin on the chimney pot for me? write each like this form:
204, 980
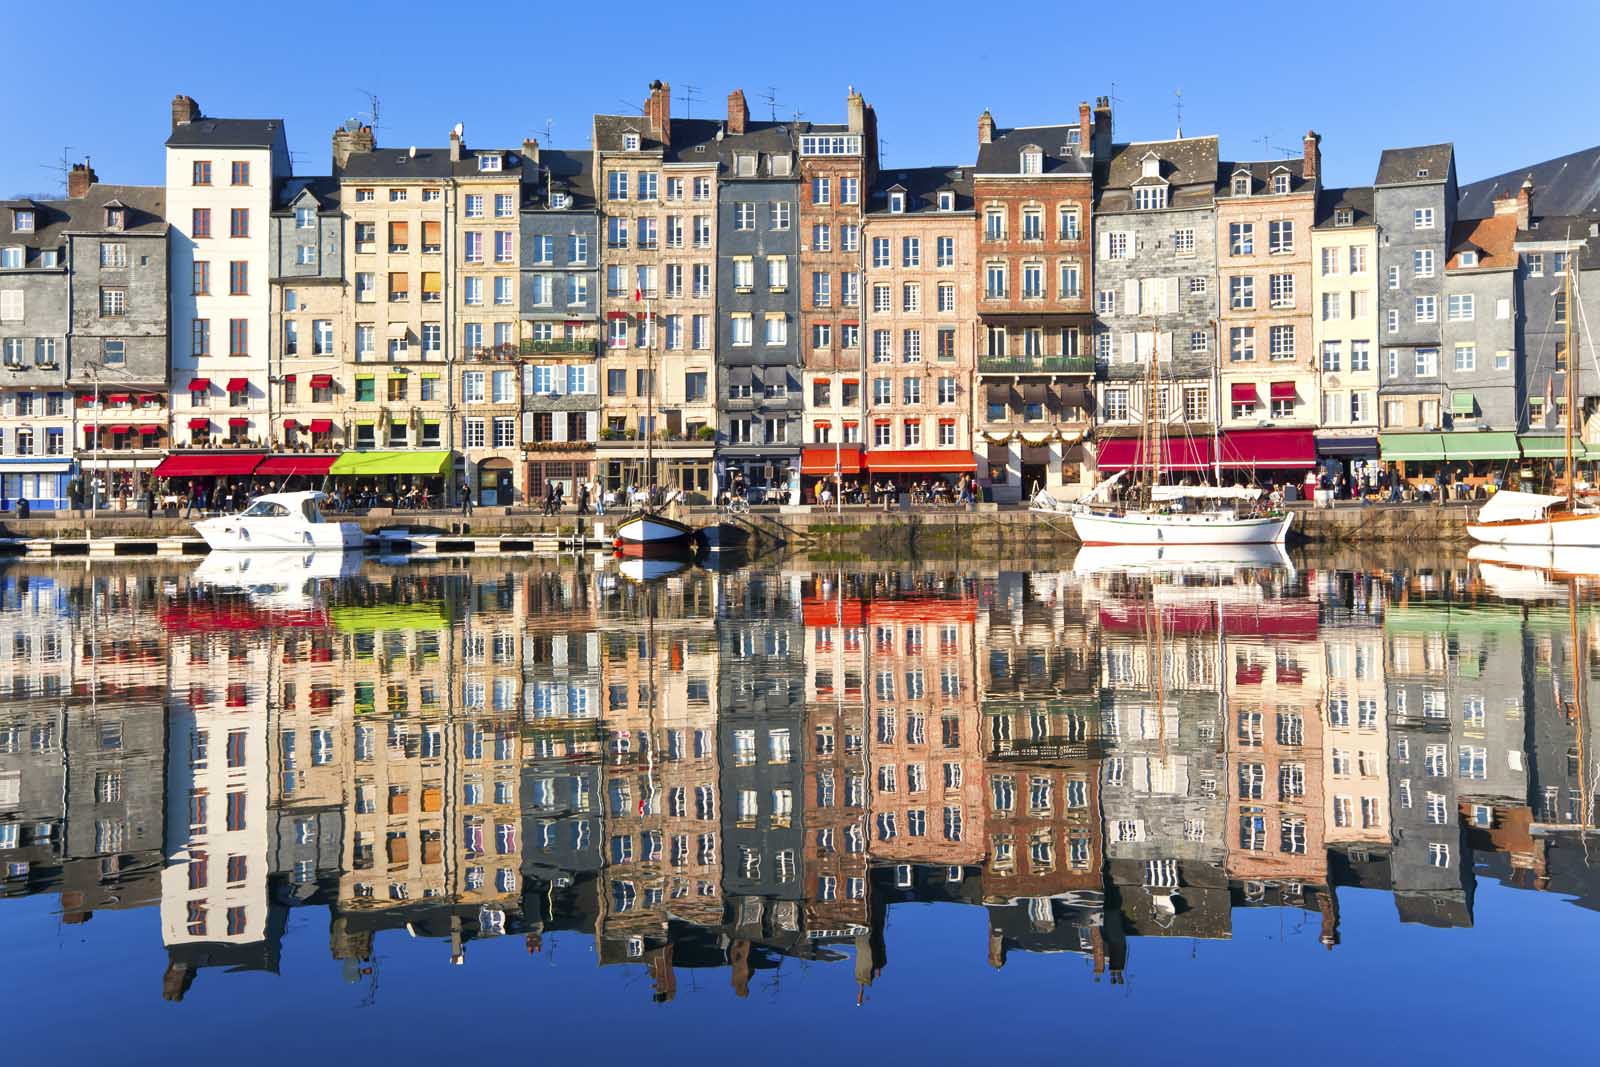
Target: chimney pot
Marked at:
530, 149
350, 139
79, 179
1311, 168
738, 112
455, 143
985, 127
184, 110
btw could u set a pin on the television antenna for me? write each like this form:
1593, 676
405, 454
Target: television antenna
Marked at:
690, 94
1178, 107
372, 109
63, 166
771, 98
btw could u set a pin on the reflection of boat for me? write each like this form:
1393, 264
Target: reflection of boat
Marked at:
275, 579
648, 570
1521, 571
1178, 558
281, 521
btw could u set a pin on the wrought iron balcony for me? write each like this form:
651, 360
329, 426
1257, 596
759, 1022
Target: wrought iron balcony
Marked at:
1036, 365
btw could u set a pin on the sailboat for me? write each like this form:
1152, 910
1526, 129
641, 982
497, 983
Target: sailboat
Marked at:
1174, 514
1515, 518
646, 531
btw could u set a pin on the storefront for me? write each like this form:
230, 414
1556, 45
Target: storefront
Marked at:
42, 481
493, 482
213, 481
932, 468
568, 471
1415, 457
1268, 457
1347, 454
391, 479
775, 475
684, 465
293, 471
1544, 460
1178, 455
819, 465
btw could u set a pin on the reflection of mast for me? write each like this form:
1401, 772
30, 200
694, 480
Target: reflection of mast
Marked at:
1578, 708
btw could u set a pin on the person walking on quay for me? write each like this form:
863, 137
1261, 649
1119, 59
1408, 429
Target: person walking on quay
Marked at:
149, 502
466, 503
599, 497
583, 498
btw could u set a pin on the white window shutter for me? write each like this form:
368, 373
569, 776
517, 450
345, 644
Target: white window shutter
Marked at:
1172, 295
1105, 245
559, 426
527, 426
1129, 348
1130, 297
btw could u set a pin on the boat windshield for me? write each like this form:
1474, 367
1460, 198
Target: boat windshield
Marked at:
310, 510
266, 509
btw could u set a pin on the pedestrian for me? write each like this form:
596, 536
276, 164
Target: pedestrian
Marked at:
466, 502
583, 498
149, 502
599, 498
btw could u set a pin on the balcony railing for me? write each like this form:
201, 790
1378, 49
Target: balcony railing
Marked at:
558, 347
1036, 364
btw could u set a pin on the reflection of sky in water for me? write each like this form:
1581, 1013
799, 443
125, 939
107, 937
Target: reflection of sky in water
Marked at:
1245, 797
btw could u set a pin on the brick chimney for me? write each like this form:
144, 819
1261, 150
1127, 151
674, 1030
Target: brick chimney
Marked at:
1102, 128
456, 134
856, 110
530, 149
1525, 204
985, 127
738, 112
184, 110
79, 178
1311, 169
350, 139
658, 112
1085, 128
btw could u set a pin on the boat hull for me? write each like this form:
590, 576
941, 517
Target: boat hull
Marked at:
1581, 530
232, 533
1180, 528
645, 533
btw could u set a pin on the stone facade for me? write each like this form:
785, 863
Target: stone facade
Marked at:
1344, 305
310, 309
1478, 357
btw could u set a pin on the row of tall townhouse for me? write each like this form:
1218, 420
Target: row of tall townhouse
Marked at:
735, 296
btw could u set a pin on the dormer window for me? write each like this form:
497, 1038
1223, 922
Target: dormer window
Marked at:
1032, 161
630, 142
1241, 185
116, 218
1422, 172
744, 165
22, 220
1150, 197
1150, 167
1280, 183
1469, 258
559, 200
489, 162
897, 203
1072, 136
947, 201
778, 166
1343, 216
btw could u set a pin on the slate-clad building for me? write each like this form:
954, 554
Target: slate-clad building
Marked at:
1155, 286
310, 314
758, 300
1545, 245
1479, 358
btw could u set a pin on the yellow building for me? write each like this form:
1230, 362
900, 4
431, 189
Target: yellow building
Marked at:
1344, 306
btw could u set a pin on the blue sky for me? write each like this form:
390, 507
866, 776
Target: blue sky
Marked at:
1365, 75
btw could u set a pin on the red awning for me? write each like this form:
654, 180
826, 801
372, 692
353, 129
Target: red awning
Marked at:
1244, 393
920, 461
88, 427
576, 323
199, 424
1283, 390
1269, 449
321, 425
238, 420
322, 381
117, 429
238, 385
290, 424
149, 427
1177, 454
288, 377
199, 385
283, 466
819, 460
207, 464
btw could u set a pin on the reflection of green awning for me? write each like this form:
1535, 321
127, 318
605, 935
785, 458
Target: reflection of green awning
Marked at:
1462, 404
375, 463
1474, 444
1404, 446
367, 619
1549, 446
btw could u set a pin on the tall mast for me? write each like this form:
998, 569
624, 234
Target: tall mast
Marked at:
1572, 380
649, 398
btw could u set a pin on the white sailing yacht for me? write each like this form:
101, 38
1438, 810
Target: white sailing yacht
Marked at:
1173, 514
1562, 521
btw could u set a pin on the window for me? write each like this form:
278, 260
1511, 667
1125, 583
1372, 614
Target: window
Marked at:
113, 302
1280, 236
240, 173
1242, 343
1281, 342
1466, 357
1183, 242
239, 222
1241, 292
1241, 238
1150, 197
1422, 218
821, 190
994, 224
1427, 362
1119, 246
1422, 263
1280, 290
1426, 308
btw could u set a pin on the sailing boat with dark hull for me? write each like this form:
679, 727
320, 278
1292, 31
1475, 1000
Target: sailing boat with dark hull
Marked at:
646, 531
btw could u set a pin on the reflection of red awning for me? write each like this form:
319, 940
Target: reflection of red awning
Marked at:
203, 617
919, 461
1290, 620
1248, 675
819, 460
616, 314
1269, 449
321, 425
149, 428
322, 381
199, 385
238, 420
207, 464
1244, 392
851, 611
1282, 390
115, 398
199, 424
238, 385
283, 466
150, 398
1177, 454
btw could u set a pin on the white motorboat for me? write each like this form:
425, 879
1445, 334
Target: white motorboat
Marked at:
281, 521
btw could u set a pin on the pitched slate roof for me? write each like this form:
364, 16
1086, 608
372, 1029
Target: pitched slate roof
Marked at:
609, 131
398, 163
572, 172
324, 188
1188, 161
1358, 198
227, 133
922, 187
145, 207
1261, 173
1399, 166
1558, 228
1565, 185
1003, 154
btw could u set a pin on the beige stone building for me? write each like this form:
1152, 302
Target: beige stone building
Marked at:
921, 305
1344, 306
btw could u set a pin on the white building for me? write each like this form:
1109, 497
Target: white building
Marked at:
220, 177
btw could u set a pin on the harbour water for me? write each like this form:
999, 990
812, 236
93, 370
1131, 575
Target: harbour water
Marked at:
310, 809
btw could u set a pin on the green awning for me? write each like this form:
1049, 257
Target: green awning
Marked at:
1475, 444
1549, 446
1405, 446
377, 463
1462, 404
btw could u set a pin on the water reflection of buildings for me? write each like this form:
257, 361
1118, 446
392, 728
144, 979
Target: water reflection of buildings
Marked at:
724, 771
